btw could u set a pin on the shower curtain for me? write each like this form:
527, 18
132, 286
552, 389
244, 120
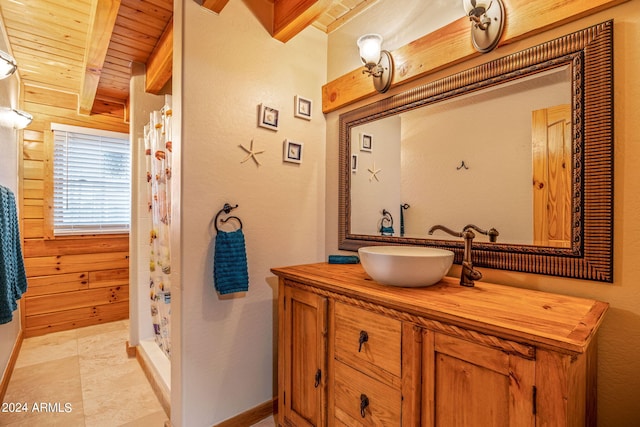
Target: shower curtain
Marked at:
157, 140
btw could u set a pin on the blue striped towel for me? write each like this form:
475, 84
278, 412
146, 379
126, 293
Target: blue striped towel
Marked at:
230, 273
13, 279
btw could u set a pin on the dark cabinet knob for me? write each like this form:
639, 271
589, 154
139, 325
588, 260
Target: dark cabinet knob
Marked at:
318, 377
364, 402
364, 337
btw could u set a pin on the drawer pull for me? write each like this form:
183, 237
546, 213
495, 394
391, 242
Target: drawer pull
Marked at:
318, 376
364, 337
364, 402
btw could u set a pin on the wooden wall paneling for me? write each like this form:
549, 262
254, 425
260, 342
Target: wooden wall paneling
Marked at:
73, 281
451, 44
70, 319
77, 245
47, 197
32, 209
108, 278
33, 169
62, 301
33, 228
49, 265
32, 189
33, 145
44, 285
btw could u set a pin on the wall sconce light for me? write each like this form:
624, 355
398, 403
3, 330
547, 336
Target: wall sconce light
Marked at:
8, 65
16, 119
378, 62
487, 17
21, 119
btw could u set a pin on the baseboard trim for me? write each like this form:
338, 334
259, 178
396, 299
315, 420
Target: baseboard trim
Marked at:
6, 376
161, 392
132, 351
252, 416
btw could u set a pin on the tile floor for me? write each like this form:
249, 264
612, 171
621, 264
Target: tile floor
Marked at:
82, 378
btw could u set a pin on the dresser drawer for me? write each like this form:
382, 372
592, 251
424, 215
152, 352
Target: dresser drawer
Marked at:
382, 403
380, 351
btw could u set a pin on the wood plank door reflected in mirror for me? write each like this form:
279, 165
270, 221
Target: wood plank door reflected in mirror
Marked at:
551, 141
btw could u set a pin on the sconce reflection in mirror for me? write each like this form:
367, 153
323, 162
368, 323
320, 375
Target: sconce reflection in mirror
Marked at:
378, 62
8, 65
487, 17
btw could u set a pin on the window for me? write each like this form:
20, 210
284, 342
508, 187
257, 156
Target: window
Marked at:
91, 181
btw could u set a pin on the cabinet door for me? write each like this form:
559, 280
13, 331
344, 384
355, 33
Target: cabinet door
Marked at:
302, 362
470, 384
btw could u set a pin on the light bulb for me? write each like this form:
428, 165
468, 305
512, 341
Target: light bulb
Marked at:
370, 46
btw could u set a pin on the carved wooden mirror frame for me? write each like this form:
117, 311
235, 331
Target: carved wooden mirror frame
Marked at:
589, 54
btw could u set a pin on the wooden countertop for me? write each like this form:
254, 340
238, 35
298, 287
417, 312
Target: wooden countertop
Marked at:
558, 322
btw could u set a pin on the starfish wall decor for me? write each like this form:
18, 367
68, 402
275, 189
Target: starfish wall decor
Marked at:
251, 153
374, 172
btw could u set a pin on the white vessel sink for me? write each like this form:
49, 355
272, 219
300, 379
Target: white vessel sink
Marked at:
406, 266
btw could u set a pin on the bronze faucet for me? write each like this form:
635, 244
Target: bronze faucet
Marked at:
469, 274
492, 232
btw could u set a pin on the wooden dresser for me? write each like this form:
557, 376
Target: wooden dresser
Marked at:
352, 352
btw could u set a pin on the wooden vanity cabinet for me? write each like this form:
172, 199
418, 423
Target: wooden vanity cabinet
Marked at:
302, 362
353, 352
466, 383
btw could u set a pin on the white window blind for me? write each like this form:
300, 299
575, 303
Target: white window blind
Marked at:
91, 181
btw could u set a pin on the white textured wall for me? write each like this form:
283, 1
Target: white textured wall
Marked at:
372, 195
224, 66
8, 178
494, 141
619, 339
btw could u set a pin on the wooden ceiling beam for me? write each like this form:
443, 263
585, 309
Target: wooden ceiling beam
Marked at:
215, 5
101, 24
292, 16
289, 16
160, 64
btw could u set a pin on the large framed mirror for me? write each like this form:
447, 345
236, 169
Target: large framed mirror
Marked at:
522, 144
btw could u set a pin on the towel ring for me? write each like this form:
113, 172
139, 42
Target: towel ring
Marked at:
226, 209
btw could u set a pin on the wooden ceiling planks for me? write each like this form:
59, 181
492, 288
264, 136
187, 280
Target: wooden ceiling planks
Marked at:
138, 28
49, 40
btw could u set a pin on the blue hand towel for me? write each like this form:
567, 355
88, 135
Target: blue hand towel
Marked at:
386, 231
344, 259
230, 273
13, 279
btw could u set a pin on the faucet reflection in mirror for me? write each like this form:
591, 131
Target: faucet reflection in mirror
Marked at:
378, 62
487, 19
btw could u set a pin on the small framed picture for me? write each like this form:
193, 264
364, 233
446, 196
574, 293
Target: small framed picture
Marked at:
366, 142
303, 107
292, 151
269, 117
354, 163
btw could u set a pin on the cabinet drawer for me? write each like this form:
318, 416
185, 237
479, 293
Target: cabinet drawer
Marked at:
383, 406
380, 353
